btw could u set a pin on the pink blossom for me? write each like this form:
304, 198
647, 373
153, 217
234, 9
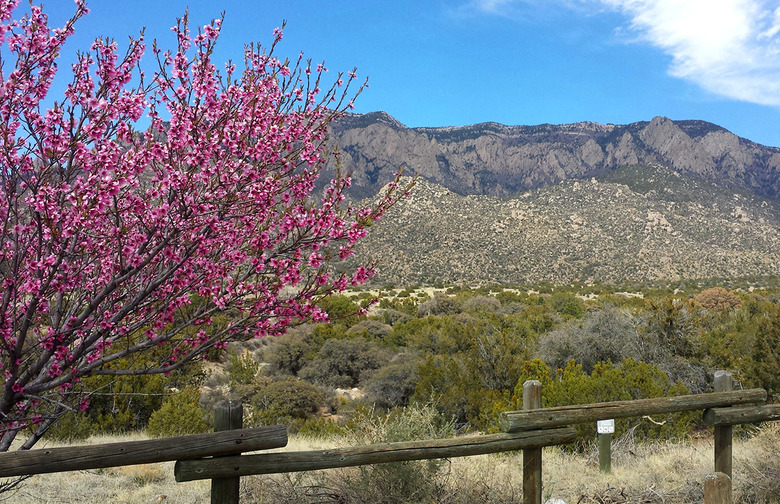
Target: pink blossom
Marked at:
123, 241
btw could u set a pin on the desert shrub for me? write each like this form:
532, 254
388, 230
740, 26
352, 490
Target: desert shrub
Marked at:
125, 403
445, 381
691, 373
475, 377
670, 325
320, 427
439, 305
718, 299
288, 353
496, 357
344, 363
280, 401
730, 343
179, 415
438, 335
412, 481
371, 329
393, 385
604, 335
456, 385
481, 304
568, 304
321, 333
539, 316
72, 426
508, 296
341, 310
392, 316
404, 305
762, 365
241, 369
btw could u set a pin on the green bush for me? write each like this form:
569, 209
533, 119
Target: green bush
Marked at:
340, 309
671, 326
391, 316
320, 427
371, 329
568, 304
629, 380
242, 369
179, 415
412, 481
288, 353
439, 305
344, 363
393, 385
508, 296
762, 366
604, 335
437, 335
72, 426
125, 403
283, 400
481, 304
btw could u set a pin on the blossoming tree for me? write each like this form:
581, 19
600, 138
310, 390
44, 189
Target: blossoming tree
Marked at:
114, 242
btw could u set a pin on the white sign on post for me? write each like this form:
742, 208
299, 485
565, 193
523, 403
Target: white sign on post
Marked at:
605, 426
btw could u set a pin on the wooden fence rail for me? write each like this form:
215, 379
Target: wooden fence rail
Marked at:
742, 414
545, 418
77, 458
270, 463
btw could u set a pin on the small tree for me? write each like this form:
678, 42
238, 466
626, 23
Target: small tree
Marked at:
115, 241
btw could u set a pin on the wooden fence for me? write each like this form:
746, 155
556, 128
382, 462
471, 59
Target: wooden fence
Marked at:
218, 456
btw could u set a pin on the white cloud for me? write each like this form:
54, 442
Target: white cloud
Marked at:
728, 47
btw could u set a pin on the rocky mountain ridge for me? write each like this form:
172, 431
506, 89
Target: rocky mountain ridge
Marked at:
498, 160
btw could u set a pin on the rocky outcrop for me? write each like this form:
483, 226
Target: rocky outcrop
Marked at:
497, 160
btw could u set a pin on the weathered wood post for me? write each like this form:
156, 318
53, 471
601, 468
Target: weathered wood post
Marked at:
228, 415
532, 458
717, 489
723, 436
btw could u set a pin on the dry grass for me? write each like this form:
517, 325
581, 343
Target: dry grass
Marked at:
641, 473
149, 483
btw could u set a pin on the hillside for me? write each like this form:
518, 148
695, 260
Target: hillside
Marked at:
641, 223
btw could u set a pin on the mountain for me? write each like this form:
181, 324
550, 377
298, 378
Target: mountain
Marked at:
497, 160
648, 201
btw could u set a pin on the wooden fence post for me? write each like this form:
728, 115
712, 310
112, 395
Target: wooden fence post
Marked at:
717, 489
532, 458
723, 383
605, 453
228, 415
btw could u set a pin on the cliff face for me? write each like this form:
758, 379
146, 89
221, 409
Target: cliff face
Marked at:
497, 160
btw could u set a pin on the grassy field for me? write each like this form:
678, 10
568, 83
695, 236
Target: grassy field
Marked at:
641, 473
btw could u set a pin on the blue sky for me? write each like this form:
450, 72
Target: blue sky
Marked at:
457, 62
